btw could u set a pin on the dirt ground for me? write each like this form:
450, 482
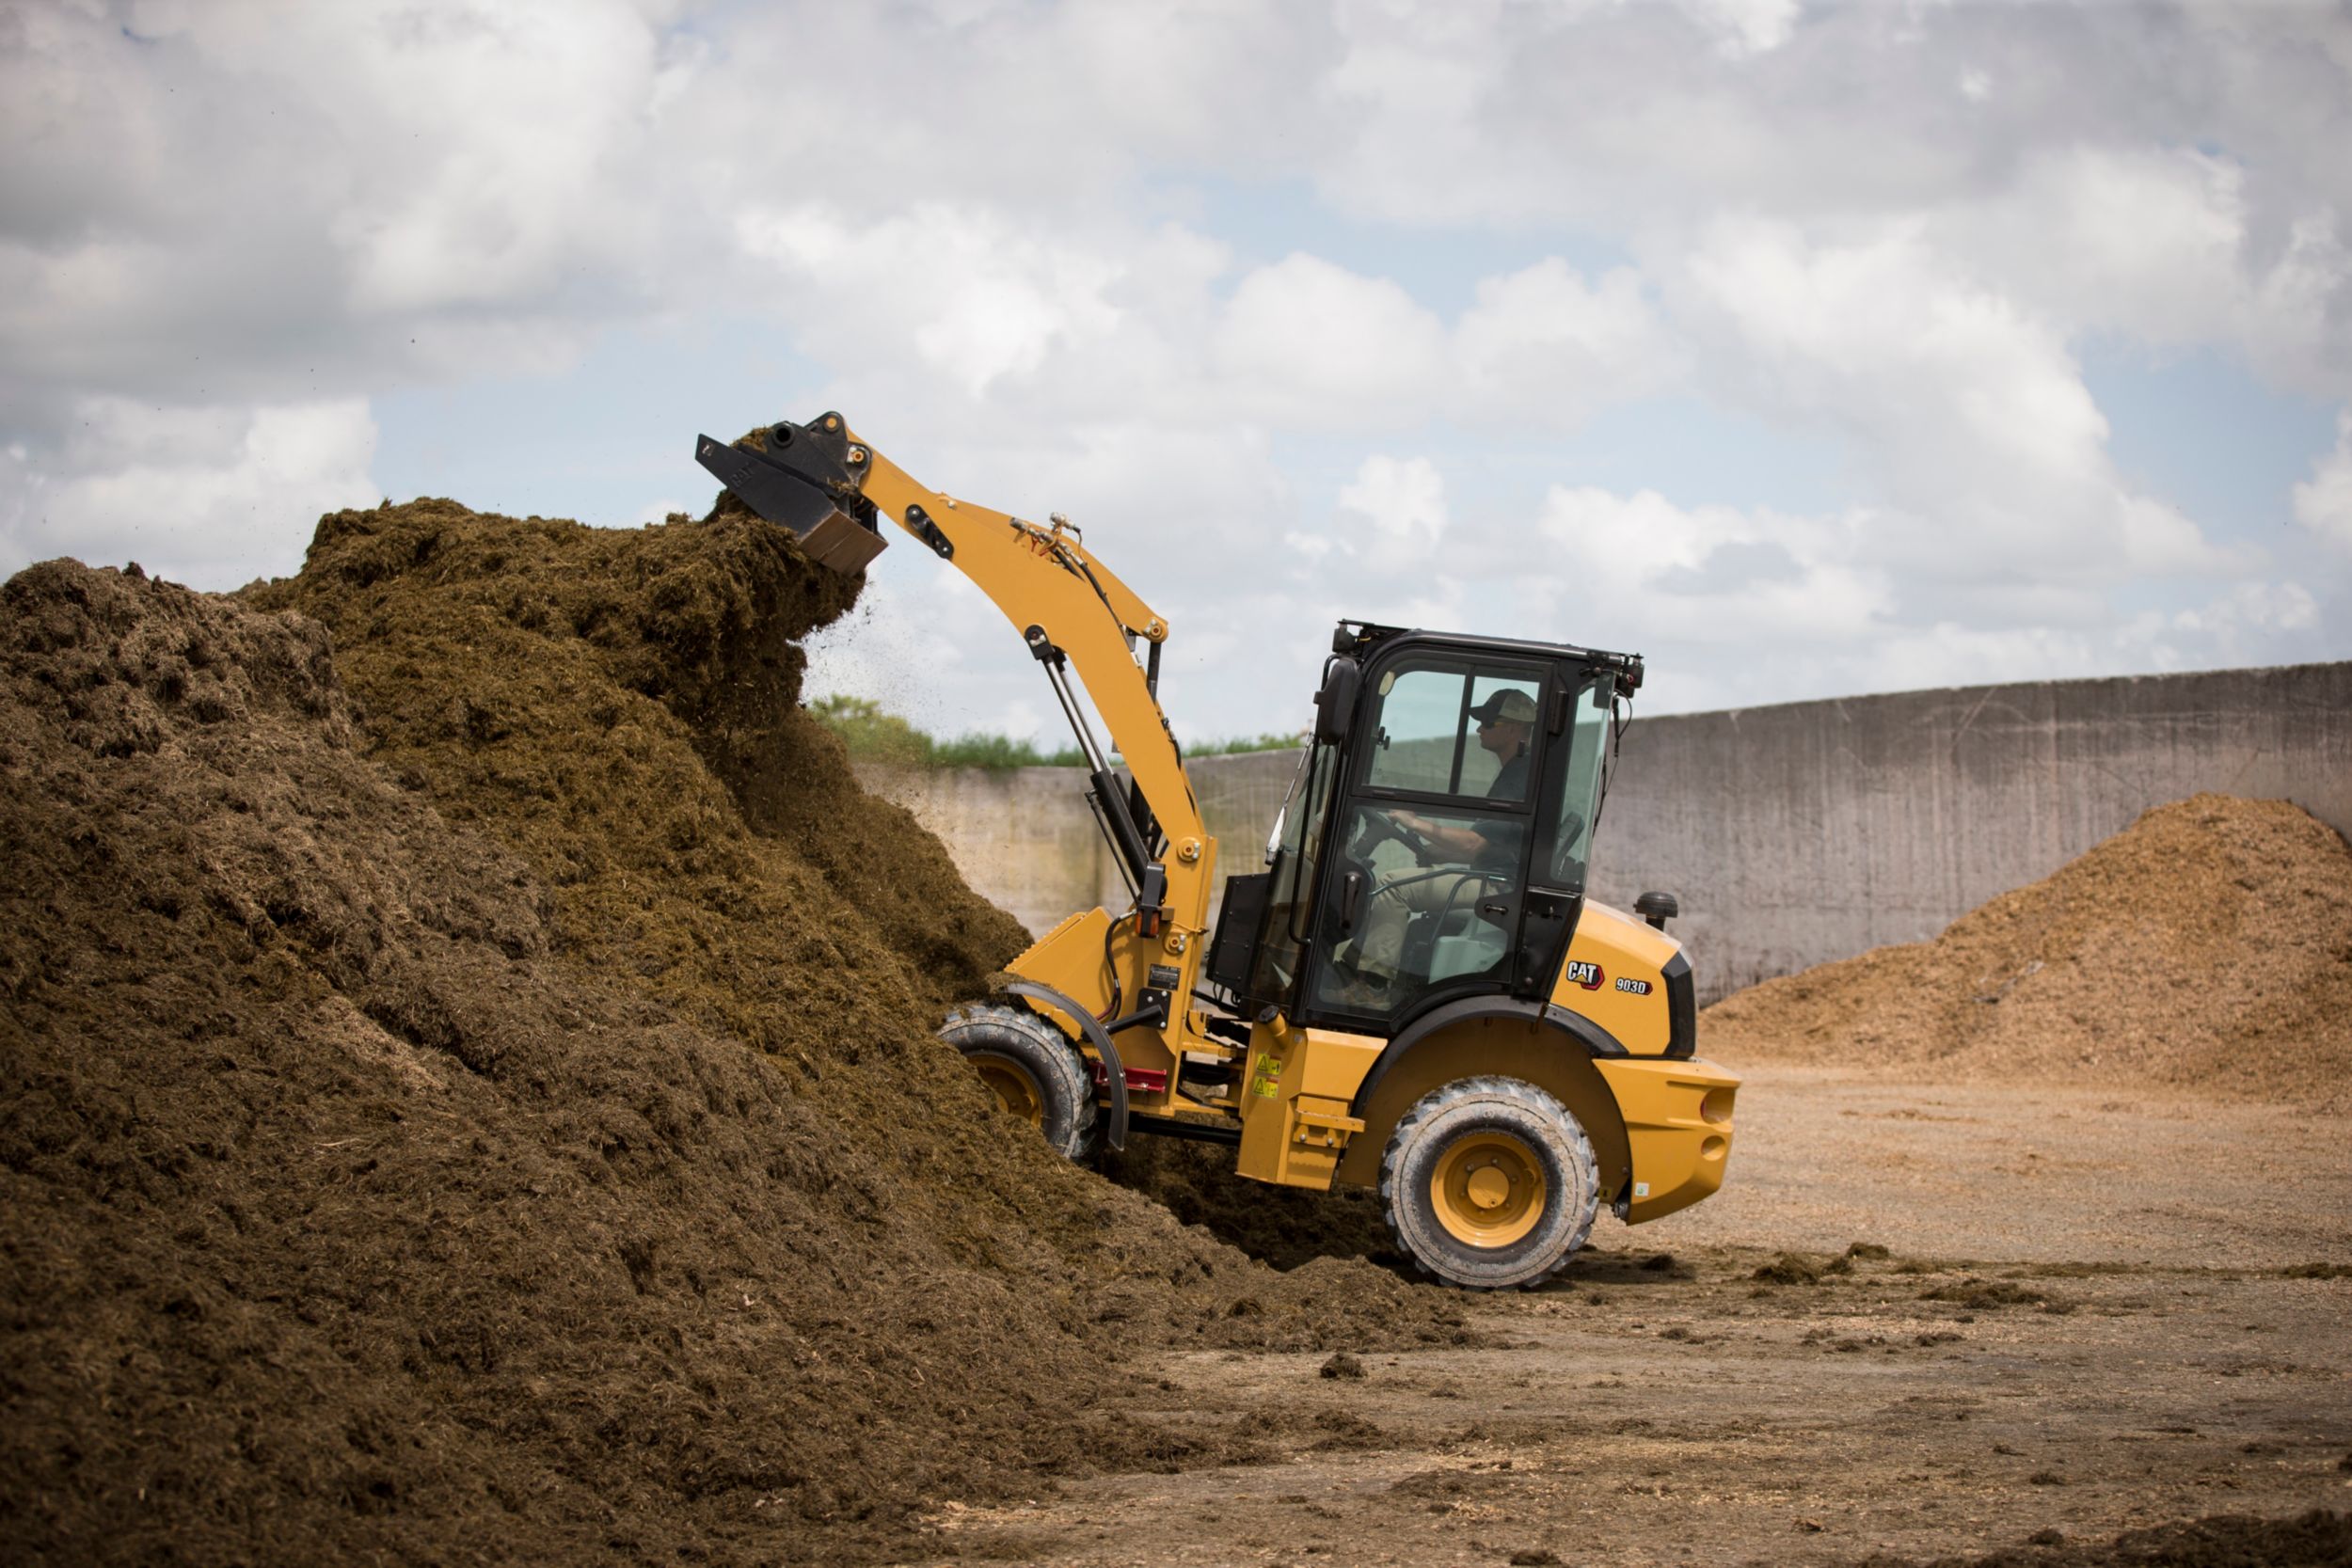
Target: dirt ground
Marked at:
2094, 1314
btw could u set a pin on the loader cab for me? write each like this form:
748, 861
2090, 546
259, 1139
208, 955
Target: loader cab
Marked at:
1435, 843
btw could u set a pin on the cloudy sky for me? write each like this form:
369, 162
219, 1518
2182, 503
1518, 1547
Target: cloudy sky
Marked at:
1809, 351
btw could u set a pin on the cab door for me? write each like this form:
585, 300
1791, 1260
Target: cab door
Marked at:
1444, 794
1578, 716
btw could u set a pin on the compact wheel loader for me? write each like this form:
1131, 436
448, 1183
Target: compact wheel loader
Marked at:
1413, 993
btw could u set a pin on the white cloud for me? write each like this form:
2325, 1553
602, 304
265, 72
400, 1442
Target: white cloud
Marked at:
1737, 606
1105, 318
1607, 119
2143, 239
2163, 244
212, 497
1543, 347
1971, 413
2251, 623
2323, 503
238, 198
1404, 504
1744, 26
1310, 344
1950, 654
962, 292
1722, 575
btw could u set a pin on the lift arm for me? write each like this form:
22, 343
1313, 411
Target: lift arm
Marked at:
829, 486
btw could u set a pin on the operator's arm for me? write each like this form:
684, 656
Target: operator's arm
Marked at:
1459, 842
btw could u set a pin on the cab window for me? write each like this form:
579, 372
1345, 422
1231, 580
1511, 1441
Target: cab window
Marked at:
1428, 738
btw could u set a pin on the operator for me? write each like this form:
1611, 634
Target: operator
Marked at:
1506, 719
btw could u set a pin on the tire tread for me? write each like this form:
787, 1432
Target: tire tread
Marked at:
1529, 1098
1033, 1038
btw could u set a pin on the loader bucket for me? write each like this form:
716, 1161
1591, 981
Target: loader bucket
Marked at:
805, 479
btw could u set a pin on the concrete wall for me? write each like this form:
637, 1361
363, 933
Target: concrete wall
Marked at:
1024, 839
1791, 835
1813, 830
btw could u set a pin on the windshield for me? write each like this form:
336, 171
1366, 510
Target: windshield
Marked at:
1297, 833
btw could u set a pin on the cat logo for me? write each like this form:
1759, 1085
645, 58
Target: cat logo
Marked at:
1587, 975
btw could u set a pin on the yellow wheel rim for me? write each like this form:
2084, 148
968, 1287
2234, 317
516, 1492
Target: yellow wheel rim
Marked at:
1014, 1089
1487, 1189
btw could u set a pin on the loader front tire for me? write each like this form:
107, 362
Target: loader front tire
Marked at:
1033, 1070
1489, 1183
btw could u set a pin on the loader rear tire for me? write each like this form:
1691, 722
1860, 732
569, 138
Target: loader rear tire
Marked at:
1034, 1071
1489, 1183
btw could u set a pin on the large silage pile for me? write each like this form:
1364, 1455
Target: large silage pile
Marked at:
2206, 947
469, 1088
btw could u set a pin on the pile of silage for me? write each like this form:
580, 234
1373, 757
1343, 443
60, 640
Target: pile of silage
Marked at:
468, 1087
2207, 946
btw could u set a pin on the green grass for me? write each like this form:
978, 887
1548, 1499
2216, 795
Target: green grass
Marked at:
1248, 743
873, 735
996, 752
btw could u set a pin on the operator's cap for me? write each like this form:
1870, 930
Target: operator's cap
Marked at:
1511, 707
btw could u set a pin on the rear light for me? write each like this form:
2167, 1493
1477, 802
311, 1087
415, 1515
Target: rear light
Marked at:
1144, 1080
1716, 1106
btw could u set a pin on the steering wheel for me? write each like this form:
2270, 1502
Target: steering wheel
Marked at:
1383, 824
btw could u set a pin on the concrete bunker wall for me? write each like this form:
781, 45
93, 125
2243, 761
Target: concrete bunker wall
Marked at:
1792, 834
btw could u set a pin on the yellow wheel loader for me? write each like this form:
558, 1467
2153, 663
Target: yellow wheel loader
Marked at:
1413, 993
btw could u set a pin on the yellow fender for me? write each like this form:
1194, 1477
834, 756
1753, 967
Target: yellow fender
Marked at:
1661, 1128
1549, 1047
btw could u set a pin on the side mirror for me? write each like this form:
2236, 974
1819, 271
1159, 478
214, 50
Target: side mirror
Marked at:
1335, 705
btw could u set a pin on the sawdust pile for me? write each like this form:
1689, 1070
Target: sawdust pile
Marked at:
2208, 946
467, 1089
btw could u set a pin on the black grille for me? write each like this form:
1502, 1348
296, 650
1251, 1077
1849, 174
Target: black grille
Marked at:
1236, 941
1682, 1009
